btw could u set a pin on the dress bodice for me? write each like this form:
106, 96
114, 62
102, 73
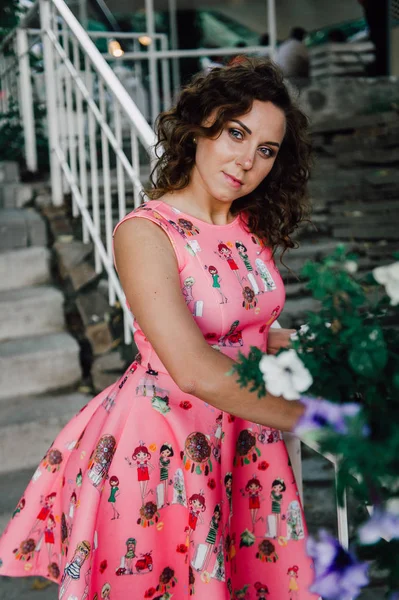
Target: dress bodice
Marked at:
228, 278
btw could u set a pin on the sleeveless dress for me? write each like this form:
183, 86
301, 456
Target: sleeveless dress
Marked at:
149, 492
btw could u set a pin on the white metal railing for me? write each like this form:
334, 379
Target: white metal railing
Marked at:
90, 156
342, 511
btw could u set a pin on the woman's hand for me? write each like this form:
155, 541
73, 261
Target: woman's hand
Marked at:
278, 338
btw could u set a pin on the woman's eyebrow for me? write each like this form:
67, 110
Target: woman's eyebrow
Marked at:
242, 125
247, 129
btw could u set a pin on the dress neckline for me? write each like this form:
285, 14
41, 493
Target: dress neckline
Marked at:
177, 211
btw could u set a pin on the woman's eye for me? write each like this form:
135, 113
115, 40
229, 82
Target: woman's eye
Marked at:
266, 152
236, 133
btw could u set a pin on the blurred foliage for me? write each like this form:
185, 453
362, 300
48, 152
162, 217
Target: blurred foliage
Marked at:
12, 137
10, 12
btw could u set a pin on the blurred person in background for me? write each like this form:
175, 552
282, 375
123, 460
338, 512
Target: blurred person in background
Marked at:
376, 14
264, 40
336, 36
236, 59
292, 56
213, 62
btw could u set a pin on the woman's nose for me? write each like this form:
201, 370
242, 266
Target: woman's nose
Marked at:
245, 161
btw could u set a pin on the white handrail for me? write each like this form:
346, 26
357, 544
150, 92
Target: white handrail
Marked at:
28, 119
97, 113
194, 52
121, 35
144, 131
342, 511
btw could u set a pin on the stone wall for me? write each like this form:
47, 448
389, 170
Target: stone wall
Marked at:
345, 97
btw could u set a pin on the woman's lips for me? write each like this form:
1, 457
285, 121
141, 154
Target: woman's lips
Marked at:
235, 183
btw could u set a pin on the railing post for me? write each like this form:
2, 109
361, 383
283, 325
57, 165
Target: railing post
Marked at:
5, 85
174, 44
51, 103
271, 22
342, 512
26, 100
153, 64
166, 91
293, 445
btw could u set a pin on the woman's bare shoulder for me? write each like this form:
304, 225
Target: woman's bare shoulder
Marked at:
140, 232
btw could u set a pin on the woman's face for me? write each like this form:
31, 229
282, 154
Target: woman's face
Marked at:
234, 164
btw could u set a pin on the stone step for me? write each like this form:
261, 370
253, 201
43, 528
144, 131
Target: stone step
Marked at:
377, 157
367, 232
107, 369
20, 228
296, 309
24, 267
16, 195
70, 254
38, 364
317, 469
28, 426
27, 588
43, 194
352, 142
312, 250
30, 311
9, 171
382, 178
358, 219
361, 208
335, 124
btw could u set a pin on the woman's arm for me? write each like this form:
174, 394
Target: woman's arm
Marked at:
278, 338
149, 275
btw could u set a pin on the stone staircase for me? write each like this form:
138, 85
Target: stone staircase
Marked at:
39, 359
354, 191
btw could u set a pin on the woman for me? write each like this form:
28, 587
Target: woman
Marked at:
234, 168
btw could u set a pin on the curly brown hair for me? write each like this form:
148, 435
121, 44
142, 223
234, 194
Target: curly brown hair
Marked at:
276, 207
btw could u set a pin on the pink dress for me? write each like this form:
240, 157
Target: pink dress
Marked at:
152, 550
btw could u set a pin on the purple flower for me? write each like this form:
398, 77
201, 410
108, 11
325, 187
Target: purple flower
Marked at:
322, 413
338, 576
382, 524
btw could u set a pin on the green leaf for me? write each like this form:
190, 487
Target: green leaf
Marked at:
247, 539
370, 355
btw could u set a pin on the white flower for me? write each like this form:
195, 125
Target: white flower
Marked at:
393, 506
350, 266
285, 374
389, 277
303, 330
383, 523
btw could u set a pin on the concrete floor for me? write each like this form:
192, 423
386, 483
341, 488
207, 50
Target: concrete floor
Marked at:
23, 589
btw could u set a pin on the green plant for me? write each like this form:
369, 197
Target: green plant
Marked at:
12, 137
10, 12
